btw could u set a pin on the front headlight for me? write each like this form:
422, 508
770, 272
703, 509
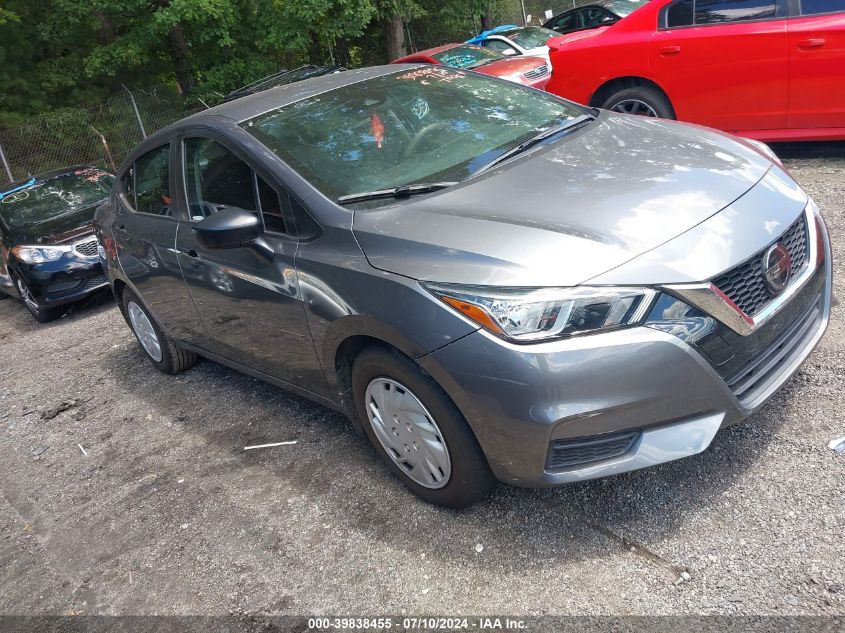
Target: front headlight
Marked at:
40, 254
525, 314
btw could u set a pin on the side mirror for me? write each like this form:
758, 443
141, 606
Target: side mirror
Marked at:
233, 228
509, 52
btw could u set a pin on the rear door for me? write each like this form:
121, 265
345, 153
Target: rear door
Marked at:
144, 231
724, 63
252, 308
817, 64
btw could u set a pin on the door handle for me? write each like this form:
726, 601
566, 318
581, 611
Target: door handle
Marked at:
669, 51
120, 227
813, 42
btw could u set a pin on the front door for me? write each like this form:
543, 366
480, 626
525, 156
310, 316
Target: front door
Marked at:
251, 307
817, 65
724, 63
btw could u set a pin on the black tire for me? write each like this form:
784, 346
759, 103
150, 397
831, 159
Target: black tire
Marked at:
470, 480
647, 95
38, 312
173, 358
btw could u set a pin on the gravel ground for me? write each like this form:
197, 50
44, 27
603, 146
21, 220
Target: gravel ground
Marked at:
164, 513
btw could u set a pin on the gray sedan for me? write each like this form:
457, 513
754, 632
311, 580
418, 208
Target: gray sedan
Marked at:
490, 281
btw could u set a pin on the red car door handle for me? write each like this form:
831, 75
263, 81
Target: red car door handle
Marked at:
668, 51
813, 42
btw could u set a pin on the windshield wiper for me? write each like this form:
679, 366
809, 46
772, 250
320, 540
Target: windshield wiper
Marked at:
567, 126
402, 191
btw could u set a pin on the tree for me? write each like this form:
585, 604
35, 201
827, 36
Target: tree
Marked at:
60, 53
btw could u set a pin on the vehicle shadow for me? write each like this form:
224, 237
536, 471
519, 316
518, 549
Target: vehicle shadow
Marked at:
807, 150
15, 319
337, 471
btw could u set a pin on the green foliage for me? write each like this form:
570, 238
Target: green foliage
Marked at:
60, 53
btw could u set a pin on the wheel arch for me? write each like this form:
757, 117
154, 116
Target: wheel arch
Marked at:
345, 339
611, 86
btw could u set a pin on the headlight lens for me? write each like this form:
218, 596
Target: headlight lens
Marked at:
523, 314
40, 254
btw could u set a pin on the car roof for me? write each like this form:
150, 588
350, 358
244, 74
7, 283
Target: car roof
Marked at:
594, 5
258, 103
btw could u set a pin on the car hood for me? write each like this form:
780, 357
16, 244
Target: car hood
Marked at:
63, 228
511, 66
567, 211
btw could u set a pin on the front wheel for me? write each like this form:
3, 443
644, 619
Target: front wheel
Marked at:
418, 430
641, 100
159, 348
40, 313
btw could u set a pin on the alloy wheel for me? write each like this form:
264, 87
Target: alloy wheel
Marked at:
408, 433
634, 106
144, 330
27, 297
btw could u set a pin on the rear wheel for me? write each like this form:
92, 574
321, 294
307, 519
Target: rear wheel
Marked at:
418, 430
159, 348
640, 100
40, 313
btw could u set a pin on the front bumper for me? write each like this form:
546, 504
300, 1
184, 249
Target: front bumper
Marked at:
68, 279
642, 392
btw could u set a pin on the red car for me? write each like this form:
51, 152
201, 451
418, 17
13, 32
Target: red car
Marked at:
531, 71
772, 70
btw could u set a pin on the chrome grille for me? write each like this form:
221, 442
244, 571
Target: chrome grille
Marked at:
744, 284
87, 247
540, 71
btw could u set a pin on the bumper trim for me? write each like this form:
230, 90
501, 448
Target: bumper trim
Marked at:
656, 446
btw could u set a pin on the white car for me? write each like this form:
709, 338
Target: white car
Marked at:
529, 40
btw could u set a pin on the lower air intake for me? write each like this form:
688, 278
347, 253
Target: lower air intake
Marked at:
571, 453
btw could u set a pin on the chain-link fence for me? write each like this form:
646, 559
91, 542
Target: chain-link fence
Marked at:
100, 135
536, 10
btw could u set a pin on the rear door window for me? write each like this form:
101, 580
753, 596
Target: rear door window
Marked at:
818, 7
152, 182
566, 23
594, 17
725, 11
704, 12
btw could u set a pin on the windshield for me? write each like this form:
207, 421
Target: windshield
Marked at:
531, 37
430, 124
467, 56
48, 199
